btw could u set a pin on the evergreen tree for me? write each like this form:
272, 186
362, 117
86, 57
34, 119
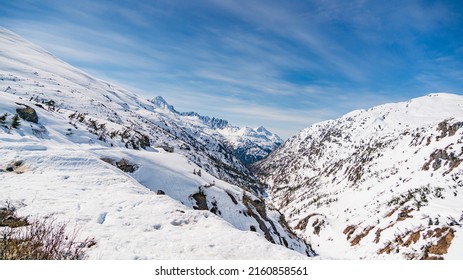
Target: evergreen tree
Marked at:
15, 123
3, 119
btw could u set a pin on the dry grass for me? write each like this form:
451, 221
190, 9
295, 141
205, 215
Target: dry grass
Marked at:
379, 231
404, 214
349, 230
413, 238
302, 224
42, 239
359, 237
443, 244
433, 250
8, 217
387, 249
391, 212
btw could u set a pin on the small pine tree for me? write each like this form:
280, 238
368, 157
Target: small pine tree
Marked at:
15, 122
3, 119
199, 173
93, 125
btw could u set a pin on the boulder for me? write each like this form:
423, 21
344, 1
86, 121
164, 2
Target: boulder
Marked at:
28, 114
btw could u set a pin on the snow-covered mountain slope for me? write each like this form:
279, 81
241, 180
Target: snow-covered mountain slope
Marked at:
381, 183
128, 120
127, 220
86, 152
247, 144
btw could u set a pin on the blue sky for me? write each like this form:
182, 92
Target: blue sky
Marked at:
281, 64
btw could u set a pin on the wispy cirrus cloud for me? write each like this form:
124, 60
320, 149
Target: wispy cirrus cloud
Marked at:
244, 59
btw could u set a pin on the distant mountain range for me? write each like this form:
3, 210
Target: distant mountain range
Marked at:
247, 144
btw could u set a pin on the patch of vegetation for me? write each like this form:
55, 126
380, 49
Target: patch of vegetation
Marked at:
14, 123
131, 139
386, 249
8, 217
418, 195
413, 238
349, 230
438, 249
404, 214
379, 231
302, 224
3, 120
359, 237
317, 226
41, 239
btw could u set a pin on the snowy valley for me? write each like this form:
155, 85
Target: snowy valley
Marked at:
149, 182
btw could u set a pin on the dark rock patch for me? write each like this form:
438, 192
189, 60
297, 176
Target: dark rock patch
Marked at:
27, 114
122, 164
201, 201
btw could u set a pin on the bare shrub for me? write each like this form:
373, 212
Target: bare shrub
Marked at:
42, 239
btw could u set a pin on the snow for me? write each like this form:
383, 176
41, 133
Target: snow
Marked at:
127, 220
249, 145
33, 74
365, 168
66, 172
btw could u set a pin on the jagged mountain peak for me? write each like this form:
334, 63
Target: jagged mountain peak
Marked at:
263, 130
161, 103
260, 132
212, 122
251, 144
